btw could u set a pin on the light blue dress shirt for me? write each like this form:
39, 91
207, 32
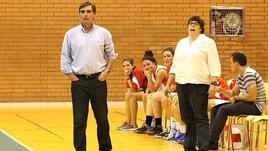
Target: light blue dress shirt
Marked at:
86, 52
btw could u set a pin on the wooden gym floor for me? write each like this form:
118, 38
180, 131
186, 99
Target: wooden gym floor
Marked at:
48, 127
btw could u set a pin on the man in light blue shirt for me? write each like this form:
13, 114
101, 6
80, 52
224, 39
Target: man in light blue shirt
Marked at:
86, 58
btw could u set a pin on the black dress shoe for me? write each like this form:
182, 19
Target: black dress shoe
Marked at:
213, 146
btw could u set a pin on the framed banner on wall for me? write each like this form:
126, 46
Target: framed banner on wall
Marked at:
226, 21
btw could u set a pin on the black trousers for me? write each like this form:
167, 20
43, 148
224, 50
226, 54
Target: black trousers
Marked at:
193, 99
84, 90
219, 115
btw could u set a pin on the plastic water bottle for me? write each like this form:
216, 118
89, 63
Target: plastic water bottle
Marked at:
237, 138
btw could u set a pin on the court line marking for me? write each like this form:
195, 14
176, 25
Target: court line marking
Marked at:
14, 139
49, 131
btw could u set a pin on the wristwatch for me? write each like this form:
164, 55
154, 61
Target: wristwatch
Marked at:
107, 70
213, 82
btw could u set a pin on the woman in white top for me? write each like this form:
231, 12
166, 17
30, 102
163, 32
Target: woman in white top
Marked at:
196, 65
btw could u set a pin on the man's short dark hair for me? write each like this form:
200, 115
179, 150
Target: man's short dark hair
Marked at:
240, 58
85, 4
199, 21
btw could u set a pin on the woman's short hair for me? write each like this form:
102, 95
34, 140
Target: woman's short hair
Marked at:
199, 21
